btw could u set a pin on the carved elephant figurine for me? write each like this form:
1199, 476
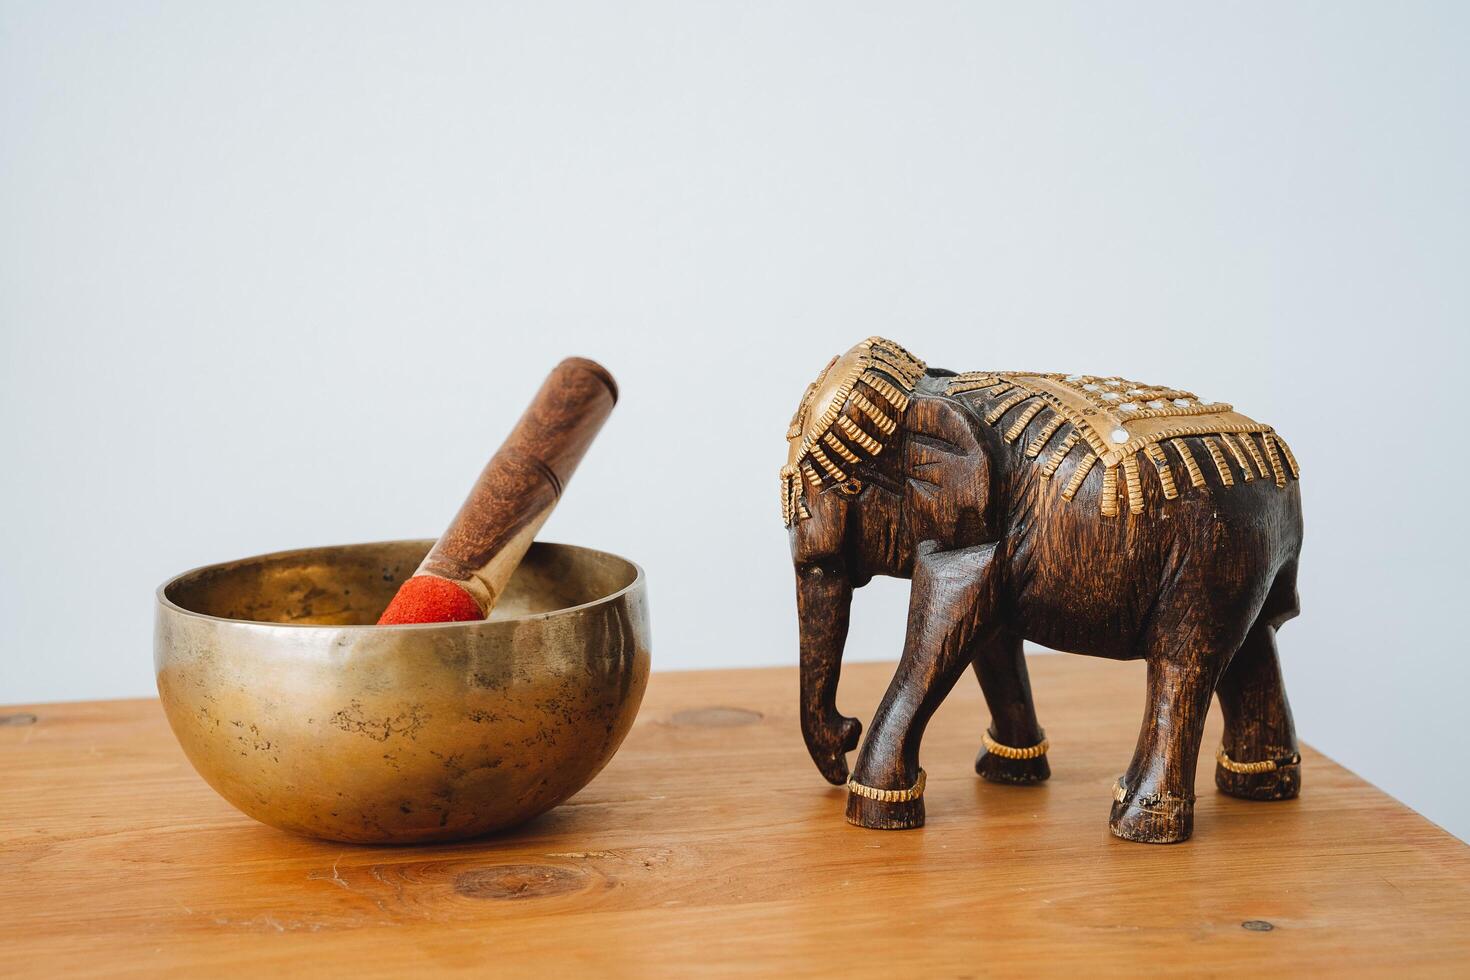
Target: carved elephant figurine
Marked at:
1089, 514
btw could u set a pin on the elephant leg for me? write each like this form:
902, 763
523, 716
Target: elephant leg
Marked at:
952, 595
1153, 803
1000, 666
1258, 725
1187, 649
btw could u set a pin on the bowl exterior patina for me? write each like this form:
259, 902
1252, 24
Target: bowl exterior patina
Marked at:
308, 719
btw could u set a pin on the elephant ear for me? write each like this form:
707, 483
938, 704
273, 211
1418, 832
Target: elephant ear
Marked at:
946, 493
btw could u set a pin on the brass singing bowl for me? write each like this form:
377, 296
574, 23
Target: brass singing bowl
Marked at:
306, 717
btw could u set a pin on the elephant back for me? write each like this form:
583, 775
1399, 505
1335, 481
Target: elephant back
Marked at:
1124, 426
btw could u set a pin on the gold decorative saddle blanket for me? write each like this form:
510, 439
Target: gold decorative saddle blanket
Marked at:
853, 410
1123, 424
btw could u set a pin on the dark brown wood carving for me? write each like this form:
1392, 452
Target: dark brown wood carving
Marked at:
1095, 515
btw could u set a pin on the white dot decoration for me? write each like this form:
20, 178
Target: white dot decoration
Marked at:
1120, 435
1111, 396
1135, 392
1129, 407
1113, 384
1182, 402
1074, 377
1156, 403
1089, 387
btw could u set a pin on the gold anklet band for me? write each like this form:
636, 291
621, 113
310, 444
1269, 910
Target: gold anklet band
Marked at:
888, 795
1151, 801
1010, 751
1252, 768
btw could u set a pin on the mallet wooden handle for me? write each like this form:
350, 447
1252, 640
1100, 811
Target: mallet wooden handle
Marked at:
512, 498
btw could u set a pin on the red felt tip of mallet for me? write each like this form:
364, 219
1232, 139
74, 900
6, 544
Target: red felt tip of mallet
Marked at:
430, 599
468, 566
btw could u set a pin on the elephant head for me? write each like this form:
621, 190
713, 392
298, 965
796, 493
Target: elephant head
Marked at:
881, 463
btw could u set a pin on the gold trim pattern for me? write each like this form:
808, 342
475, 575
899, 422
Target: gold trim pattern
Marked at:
1135, 488
1012, 752
1049, 468
1254, 768
1080, 474
1290, 457
1024, 419
854, 409
1249, 442
1122, 423
1110, 491
849, 414
1235, 451
1161, 463
1196, 477
1269, 441
1221, 467
1044, 436
888, 795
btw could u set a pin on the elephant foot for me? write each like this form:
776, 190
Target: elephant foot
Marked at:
1016, 772
878, 815
1151, 818
886, 809
1282, 781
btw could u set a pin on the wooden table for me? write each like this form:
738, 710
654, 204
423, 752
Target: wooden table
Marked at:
711, 845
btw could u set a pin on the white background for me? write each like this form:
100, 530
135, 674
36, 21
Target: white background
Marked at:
275, 275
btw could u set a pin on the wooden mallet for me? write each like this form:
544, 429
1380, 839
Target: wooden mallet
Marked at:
467, 568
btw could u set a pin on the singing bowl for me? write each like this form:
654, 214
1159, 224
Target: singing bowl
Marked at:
306, 717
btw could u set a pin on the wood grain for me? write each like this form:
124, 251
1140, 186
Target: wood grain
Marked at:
523, 481
711, 846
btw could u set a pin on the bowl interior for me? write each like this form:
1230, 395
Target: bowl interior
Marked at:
351, 585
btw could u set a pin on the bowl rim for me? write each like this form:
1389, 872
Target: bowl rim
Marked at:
165, 602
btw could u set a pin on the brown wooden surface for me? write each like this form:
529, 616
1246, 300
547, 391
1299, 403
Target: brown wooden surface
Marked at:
711, 845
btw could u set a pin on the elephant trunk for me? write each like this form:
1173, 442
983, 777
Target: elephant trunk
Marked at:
823, 602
